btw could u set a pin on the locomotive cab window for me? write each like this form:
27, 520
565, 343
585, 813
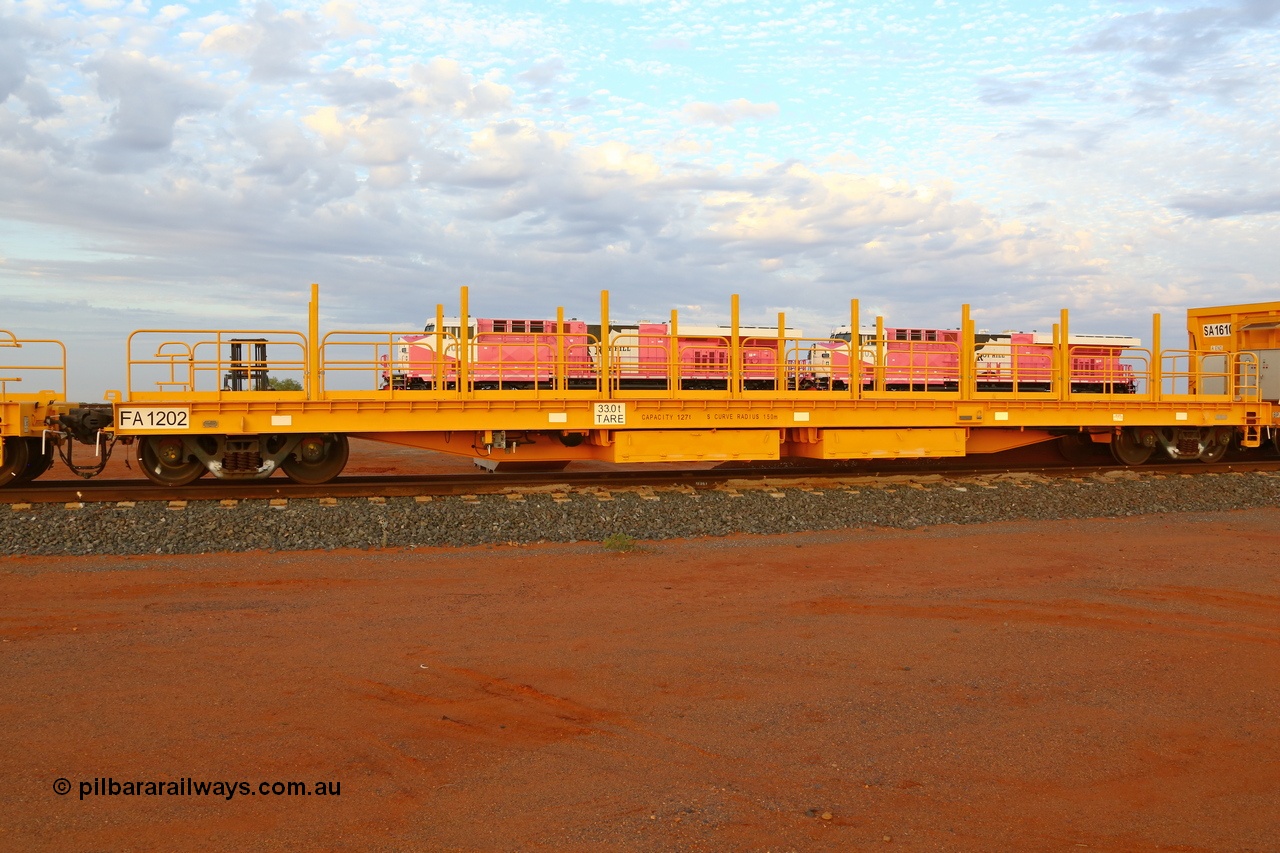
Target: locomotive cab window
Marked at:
448, 330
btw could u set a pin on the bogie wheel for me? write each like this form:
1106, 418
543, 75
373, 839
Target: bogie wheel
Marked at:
1214, 452
317, 459
166, 462
17, 455
39, 460
1128, 450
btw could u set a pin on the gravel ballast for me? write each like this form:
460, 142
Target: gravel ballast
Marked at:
156, 527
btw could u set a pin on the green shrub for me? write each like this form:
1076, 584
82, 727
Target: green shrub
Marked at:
619, 542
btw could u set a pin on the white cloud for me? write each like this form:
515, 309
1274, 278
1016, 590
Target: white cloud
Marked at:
1227, 204
1169, 42
348, 19
543, 73
727, 114
149, 97
169, 14
441, 85
276, 45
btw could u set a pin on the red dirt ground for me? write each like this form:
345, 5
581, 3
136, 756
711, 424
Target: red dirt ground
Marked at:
1108, 685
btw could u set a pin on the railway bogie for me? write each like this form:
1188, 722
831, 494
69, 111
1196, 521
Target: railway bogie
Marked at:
178, 460
244, 404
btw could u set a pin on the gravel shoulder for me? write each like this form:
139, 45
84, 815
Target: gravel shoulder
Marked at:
574, 515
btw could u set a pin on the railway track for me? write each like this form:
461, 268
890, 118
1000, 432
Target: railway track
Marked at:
104, 491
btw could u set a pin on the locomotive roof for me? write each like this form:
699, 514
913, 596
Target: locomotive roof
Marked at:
1037, 337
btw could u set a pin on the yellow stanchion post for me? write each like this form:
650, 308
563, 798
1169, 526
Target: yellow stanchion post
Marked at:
780, 358
438, 379
673, 355
315, 384
562, 379
1064, 365
1156, 390
464, 345
605, 360
735, 353
879, 380
855, 353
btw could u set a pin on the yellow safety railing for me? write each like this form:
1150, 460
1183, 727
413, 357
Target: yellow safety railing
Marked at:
543, 364
429, 364
821, 366
1188, 374
1097, 372
39, 364
388, 361
890, 367
212, 364
707, 364
1015, 369
641, 364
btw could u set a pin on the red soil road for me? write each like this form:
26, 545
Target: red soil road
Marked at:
1108, 685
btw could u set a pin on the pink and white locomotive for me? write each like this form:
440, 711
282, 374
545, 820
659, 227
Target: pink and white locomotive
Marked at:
525, 354
929, 359
521, 354
503, 354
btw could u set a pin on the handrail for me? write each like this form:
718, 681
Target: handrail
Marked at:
189, 355
29, 371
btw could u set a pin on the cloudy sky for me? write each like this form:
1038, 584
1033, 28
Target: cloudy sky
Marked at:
199, 164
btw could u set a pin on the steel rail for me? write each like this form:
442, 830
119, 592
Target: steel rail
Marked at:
103, 491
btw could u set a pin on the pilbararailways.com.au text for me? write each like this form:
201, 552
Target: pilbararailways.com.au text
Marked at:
188, 787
